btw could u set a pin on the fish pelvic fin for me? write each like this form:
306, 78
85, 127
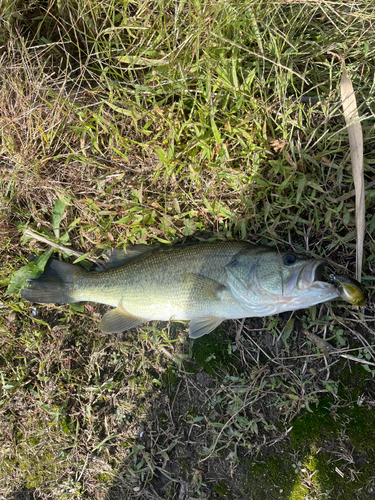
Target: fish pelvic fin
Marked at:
202, 325
118, 320
55, 285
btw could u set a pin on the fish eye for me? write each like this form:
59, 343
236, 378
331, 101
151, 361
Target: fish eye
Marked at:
289, 259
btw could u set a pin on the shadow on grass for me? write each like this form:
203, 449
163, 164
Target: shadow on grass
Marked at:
329, 450
184, 425
24, 494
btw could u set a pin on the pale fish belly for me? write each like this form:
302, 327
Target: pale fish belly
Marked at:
174, 308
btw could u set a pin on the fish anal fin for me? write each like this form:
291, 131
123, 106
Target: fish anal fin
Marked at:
202, 325
118, 320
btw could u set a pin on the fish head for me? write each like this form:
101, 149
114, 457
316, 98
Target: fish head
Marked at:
266, 281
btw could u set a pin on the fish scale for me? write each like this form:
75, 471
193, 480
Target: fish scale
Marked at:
165, 282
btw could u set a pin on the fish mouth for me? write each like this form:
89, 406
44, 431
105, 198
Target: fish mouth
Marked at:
315, 273
319, 271
316, 276
308, 286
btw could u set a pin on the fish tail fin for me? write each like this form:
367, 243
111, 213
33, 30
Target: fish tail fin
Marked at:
55, 285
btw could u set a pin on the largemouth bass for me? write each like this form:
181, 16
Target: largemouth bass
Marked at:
204, 283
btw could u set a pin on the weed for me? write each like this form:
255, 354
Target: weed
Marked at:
132, 122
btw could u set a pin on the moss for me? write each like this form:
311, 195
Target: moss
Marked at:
315, 426
103, 477
222, 490
170, 377
274, 477
331, 449
214, 351
33, 441
361, 427
37, 469
357, 378
351, 473
342, 438
186, 466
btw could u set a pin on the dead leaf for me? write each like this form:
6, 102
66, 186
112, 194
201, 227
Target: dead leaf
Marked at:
354, 126
322, 344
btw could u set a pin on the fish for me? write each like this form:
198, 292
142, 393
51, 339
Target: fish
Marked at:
204, 283
350, 290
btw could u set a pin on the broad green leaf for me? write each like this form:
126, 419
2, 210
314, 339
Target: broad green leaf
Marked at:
218, 425
57, 214
82, 257
32, 270
242, 420
215, 131
77, 306
288, 329
189, 228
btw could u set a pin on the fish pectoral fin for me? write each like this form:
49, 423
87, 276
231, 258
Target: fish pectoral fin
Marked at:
202, 325
118, 320
203, 288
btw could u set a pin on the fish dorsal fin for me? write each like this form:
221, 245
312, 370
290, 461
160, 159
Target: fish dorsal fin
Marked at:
201, 326
118, 256
118, 320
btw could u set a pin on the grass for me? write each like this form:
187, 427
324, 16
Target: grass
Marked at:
133, 122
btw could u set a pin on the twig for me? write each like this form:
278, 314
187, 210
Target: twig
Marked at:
352, 192
327, 349
42, 239
175, 359
358, 360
